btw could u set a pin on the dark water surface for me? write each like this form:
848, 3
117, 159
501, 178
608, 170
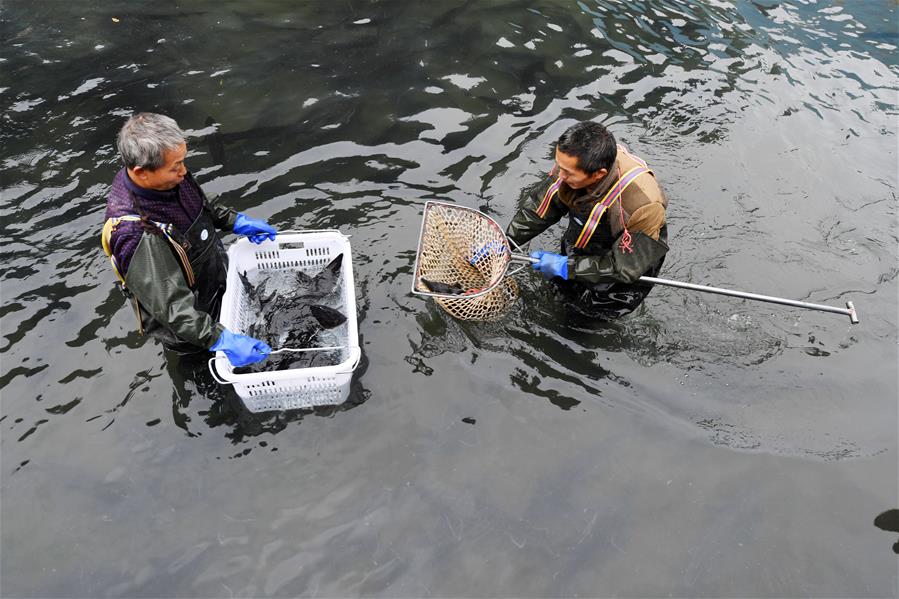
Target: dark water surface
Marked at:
704, 446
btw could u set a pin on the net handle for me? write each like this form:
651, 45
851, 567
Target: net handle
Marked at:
520, 257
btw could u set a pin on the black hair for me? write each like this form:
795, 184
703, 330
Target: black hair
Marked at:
592, 144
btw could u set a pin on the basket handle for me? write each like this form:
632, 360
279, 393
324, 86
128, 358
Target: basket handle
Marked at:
309, 231
292, 349
214, 374
356, 363
221, 381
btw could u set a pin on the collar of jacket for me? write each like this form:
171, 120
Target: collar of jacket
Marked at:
151, 194
581, 201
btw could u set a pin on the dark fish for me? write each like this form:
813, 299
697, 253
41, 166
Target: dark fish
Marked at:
303, 280
283, 280
296, 326
297, 323
289, 311
327, 317
247, 286
438, 287
326, 280
297, 283
263, 296
253, 305
289, 324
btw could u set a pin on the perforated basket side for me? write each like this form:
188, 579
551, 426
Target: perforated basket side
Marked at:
310, 257
297, 393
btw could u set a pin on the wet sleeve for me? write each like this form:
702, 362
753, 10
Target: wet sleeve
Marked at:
619, 266
157, 281
222, 216
527, 224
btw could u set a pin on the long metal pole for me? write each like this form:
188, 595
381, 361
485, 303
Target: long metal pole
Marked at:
849, 310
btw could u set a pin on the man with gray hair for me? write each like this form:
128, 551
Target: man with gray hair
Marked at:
160, 235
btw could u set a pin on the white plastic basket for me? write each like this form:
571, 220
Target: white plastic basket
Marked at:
308, 251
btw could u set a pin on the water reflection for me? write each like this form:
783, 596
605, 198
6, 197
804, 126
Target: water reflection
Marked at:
194, 387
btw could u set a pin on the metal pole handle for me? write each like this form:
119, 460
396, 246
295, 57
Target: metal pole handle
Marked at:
524, 258
849, 310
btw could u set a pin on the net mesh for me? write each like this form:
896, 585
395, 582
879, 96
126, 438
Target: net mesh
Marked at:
462, 260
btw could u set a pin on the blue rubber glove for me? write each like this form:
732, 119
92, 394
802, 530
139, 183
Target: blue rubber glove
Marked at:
240, 349
256, 230
551, 265
492, 247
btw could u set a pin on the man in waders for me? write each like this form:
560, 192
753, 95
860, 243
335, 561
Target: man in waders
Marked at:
160, 235
616, 223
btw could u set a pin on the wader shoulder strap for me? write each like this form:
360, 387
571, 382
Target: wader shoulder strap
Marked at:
553, 189
109, 228
610, 197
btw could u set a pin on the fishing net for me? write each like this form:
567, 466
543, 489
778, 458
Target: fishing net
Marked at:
462, 262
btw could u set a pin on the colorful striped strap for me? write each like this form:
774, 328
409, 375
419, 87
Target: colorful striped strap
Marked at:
543, 208
166, 228
600, 208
